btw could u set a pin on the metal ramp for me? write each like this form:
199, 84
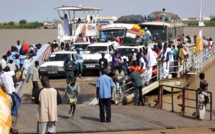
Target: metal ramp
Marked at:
192, 72
150, 87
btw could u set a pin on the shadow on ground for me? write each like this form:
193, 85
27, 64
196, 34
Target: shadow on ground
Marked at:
90, 118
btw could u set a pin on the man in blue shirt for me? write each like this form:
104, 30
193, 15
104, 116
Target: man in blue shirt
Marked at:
79, 58
104, 88
69, 67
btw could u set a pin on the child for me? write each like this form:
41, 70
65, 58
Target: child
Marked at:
71, 93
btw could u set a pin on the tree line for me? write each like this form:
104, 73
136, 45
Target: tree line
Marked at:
22, 25
210, 23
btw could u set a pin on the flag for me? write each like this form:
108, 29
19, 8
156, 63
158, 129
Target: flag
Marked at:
46, 54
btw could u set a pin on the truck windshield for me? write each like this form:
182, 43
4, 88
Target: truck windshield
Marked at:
58, 57
82, 47
96, 49
160, 32
126, 51
113, 33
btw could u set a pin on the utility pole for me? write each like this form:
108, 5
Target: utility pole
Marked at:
201, 24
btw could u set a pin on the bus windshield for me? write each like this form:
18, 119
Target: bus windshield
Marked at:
158, 32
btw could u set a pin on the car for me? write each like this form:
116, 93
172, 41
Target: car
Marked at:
125, 51
92, 54
82, 46
54, 65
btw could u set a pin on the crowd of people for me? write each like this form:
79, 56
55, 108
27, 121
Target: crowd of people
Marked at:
160, 62
142, 65
16, 63
14, 66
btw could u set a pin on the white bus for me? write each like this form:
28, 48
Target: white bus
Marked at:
163, 30
122, 31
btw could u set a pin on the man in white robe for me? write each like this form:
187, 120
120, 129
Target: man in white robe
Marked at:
164, 62
66, 25
200, 110
151, 58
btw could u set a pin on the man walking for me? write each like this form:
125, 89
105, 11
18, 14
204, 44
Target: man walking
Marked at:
103, 63
104, 88
35, 79
47, 98
69, 67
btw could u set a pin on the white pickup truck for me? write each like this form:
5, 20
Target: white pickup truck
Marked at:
92, 54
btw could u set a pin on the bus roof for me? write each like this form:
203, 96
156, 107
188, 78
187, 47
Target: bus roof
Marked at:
76, 8
161, 23
117, 26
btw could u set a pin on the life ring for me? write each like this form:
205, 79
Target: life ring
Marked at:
84, 30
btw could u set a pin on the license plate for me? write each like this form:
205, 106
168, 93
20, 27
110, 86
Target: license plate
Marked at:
90, 66
52, 72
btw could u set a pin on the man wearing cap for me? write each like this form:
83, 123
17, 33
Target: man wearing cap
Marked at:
103, 63
79, 58
69, 67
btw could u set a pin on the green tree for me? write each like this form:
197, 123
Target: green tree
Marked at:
11, 23
212, 19
193, 24
22, 22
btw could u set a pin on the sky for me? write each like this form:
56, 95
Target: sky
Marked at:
42, 10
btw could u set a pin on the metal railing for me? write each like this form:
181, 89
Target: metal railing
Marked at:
185, 98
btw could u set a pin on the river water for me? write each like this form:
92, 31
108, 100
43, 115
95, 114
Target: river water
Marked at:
8, 37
